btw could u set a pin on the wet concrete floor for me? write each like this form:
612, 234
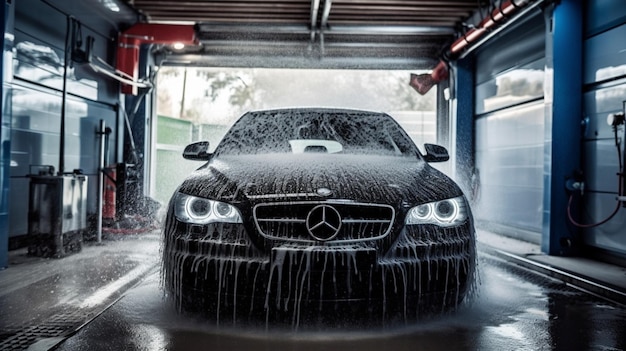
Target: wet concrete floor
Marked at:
45, 299
515, 309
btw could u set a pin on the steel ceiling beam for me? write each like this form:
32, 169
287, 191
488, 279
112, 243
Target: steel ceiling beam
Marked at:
314, 26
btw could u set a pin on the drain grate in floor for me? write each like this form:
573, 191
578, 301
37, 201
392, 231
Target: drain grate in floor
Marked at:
58, 325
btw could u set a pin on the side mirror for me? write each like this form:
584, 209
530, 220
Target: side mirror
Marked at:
197, 151
436, 153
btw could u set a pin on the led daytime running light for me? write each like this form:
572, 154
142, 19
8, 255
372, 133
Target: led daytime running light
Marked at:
446, 213
196, 210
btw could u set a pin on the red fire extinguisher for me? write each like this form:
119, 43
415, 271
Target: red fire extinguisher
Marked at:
110, 188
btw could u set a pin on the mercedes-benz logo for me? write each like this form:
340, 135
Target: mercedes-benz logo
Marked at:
323, 222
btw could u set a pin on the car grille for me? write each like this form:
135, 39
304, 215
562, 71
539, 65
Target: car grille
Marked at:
328, 221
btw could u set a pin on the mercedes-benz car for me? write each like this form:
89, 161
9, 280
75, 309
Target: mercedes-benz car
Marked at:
318, 217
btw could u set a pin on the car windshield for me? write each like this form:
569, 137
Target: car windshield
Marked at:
316, 131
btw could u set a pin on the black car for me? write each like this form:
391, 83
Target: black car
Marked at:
323, 217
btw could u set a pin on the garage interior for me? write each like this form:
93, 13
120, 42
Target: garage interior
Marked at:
530, 96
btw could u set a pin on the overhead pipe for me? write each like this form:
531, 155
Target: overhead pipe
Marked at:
326, 14
324, 23
315, 7
119, 76
131, 40
423, 82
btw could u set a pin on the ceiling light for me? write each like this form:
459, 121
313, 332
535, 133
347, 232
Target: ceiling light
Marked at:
111, 5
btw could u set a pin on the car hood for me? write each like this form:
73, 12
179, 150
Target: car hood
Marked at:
290, 177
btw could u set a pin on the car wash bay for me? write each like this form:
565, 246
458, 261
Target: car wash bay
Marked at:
532, 116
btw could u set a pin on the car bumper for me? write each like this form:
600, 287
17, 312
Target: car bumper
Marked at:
427, 270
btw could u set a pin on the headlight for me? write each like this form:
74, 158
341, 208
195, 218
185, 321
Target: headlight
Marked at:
197, 210
446, 213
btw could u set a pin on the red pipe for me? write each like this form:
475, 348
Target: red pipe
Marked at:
498, 15
148, 33
423, 82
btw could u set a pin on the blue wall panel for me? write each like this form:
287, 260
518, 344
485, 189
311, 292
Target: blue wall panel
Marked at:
605, 57
605, 92
609, 237
602, 15
564, 59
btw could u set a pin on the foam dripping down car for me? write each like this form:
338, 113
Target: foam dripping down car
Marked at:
318, 217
